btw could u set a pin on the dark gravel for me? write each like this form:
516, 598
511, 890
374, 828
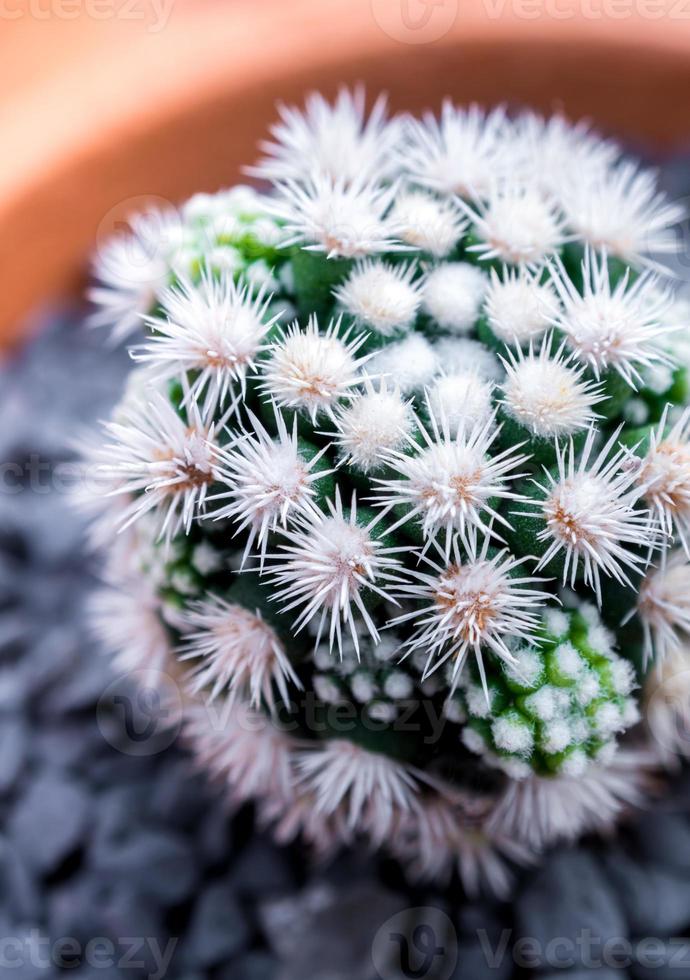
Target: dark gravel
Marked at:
121, 865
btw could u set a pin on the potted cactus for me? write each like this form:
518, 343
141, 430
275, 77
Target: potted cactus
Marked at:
398, 493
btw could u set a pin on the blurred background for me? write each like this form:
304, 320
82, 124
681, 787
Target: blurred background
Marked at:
115, 859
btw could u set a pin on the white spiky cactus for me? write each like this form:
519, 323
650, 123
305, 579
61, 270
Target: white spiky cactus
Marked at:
382, 510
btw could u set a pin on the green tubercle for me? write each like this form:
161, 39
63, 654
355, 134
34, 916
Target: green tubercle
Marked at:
568, 697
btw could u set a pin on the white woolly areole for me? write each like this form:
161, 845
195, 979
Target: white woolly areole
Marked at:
539, 811
130, 269
324, 566
556, 736
410, 363
623, 211
664, 477
658, 378
570, 663
543, 703
154, 450
450, 479
554, 151
457, 355
600, 640
214, 328
375, 422
517, 224
426, 223
453, 294
371, 788
363, 687
267, 479
339, 141
380, 296
512, 735
547, 394
588, 688
557, 622
236, 652
398, 686
456, 153
310, 370
636, 412
462, 398
589, 509
663, 606
607, 719
326, 689
518, 306
470, 606
525, 668
623, 677
130, 627
478, 705
472, 740
242, 748
206, 559
619, 326
344, 219
513, 766
228, 203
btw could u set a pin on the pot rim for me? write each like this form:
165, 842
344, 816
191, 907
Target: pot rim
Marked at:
626, 77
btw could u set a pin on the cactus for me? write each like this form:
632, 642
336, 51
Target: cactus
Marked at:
398, 426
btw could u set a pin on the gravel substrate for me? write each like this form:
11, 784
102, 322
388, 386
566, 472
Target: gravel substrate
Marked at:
120, 862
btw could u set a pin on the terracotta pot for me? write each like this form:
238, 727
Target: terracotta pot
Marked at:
96, 113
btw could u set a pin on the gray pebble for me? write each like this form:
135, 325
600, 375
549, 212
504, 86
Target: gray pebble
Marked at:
218, 929
79, 691
53, 658
158, 863
214, 833
120, 812
19, 893
254, 966
655, 900
328, 933
263, 869
13, 752
659, 960
478, 963
177, 798
664, 838
50, 820
12, 692
566, 898
68, 743
77, 908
